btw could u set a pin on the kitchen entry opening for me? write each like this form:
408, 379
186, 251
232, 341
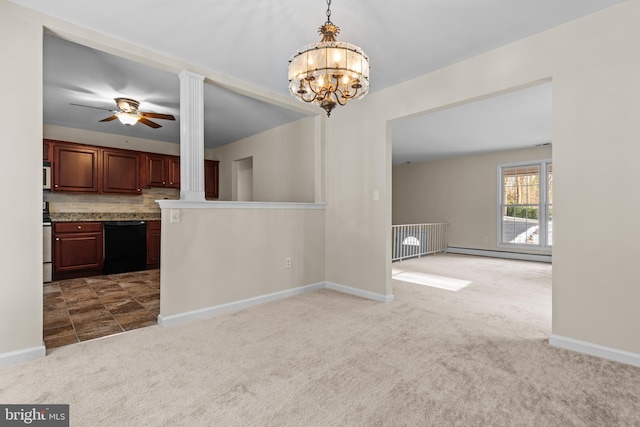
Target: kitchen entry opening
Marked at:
243, 177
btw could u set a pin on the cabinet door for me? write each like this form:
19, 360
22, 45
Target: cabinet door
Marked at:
75, 169
77, 251
120, 172
46, 150
153, 243
211, 179
157, 169
174, 171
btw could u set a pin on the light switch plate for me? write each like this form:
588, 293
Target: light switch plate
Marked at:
174, 215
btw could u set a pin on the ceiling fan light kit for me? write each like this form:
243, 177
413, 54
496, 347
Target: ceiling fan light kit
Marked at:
329, 73
128, 119
129, 115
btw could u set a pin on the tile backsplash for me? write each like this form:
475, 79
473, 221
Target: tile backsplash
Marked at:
74, 202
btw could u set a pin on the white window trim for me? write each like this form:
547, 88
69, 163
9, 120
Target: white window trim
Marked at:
542, 212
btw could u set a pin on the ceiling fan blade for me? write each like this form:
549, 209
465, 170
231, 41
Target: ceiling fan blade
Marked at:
149, 123
89, 106
156, 115
108, 119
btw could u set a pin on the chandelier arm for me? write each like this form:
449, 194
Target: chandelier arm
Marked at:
338, 98
315, 96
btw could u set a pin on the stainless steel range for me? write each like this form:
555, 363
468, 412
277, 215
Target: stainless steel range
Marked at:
47, 266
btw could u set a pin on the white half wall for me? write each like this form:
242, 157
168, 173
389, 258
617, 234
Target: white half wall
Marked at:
220, 253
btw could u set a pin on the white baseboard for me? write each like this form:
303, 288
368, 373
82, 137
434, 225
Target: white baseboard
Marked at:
499, 254
176, 319
234, 306
359, 292
23, 355
595, 350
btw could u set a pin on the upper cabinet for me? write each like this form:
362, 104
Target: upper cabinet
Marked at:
174, 171
46, 150
120, 171
75, 168
162, 170
157, 170
88, 169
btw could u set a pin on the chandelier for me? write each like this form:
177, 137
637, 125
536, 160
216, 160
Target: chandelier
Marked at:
330, 72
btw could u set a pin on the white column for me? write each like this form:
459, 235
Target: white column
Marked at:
191, 136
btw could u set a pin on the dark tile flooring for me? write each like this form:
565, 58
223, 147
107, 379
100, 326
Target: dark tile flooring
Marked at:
92, 307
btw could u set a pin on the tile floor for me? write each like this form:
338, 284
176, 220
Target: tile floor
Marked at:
92, 307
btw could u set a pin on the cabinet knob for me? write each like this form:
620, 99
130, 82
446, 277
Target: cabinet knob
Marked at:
79, 227
164, 182
56, 185
138, 190
57, 238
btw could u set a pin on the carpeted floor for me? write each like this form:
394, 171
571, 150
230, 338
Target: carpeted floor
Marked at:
434, 357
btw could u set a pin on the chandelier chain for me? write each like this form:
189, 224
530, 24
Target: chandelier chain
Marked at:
328, 12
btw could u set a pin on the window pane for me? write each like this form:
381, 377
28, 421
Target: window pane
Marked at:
521, 185
520, 225
550, 183
550, 226
550, 204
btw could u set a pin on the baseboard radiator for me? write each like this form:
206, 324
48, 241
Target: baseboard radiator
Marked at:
416, 240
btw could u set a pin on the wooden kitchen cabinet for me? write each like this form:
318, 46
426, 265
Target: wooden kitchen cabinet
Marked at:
174, 172
75, 168
46, 150
211, 179
162, 170
120, 171
157, 170
153, 244
77, 249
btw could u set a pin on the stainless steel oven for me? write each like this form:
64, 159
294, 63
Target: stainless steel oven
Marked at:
47, 265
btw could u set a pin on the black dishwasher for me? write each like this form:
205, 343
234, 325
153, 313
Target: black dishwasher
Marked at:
125, 246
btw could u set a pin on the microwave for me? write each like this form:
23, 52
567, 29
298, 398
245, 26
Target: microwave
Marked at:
46, 176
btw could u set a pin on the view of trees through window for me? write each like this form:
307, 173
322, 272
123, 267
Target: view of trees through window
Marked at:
526, 204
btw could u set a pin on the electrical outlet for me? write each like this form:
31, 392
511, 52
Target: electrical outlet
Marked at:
287, 263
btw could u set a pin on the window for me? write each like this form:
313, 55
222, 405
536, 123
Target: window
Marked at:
526, 204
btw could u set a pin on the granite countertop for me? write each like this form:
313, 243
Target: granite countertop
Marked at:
104, 216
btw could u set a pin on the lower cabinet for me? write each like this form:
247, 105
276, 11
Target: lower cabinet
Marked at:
153, 243
77, 249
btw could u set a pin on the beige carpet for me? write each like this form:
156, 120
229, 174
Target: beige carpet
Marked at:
473, 357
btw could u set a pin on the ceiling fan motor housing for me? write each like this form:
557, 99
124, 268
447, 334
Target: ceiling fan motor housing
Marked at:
127, 105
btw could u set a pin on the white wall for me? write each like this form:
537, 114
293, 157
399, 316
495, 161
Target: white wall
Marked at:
283, 163
594, 67
461, 191
20, 182
220, 255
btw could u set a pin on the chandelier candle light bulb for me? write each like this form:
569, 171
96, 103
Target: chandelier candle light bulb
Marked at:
329, 73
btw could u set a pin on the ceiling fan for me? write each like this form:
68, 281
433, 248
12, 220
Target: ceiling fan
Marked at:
129, 114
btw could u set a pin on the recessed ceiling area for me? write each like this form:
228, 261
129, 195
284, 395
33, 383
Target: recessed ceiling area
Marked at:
518, 119
77, 74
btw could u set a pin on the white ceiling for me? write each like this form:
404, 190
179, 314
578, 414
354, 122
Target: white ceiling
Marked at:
253, 41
